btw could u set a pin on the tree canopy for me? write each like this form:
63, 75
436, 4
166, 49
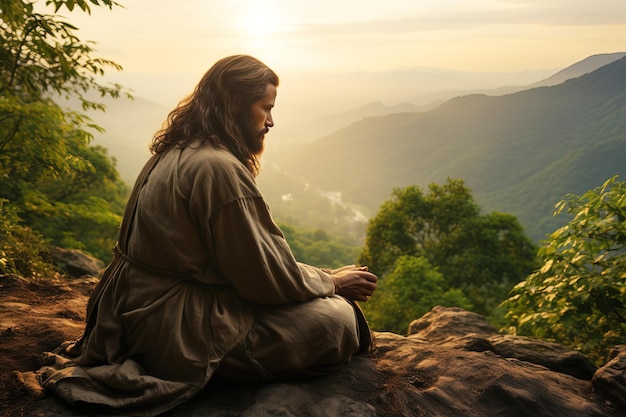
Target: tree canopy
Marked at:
410, 290
482, 255
52, 180
578, 296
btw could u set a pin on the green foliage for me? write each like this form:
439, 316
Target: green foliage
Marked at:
481, 255
411, 289
578, 296
55, 183
41, 54
316, 247
62, 187
22, 250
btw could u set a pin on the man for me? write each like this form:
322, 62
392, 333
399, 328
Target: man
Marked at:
202, 283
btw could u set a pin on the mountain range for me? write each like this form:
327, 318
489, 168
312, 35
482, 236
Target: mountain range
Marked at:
519, 153
520, 148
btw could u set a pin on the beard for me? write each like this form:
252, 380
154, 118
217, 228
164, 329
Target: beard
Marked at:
255, 140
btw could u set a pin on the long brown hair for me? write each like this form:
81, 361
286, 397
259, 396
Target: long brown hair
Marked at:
215, 112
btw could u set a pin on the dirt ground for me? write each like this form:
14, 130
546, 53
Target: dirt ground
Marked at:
35, 317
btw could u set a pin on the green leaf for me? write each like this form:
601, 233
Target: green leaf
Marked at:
583, 279
547, 266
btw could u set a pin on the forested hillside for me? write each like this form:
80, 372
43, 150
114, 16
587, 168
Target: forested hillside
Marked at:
519, 153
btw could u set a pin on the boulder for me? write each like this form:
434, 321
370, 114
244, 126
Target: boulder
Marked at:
428, 379
457, 328
76, 263
551, 355
442, 323
610, 380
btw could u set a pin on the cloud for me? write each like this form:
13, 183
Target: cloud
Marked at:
567, 12
152, 36
509, 12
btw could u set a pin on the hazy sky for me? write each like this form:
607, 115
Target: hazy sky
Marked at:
356, 35
165, 46
151, 38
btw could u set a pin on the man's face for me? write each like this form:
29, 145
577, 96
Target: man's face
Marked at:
260, 120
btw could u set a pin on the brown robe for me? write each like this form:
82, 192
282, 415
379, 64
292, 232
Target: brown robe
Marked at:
202, 276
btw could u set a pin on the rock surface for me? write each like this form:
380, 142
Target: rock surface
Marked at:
76, 263
452, 364
610, 380
454, 327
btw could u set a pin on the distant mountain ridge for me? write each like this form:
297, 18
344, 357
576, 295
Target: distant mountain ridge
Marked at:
130, 124
583, 67
329, 123
520, 153
576, 70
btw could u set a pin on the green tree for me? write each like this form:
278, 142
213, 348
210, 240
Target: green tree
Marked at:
50, 176
410, 290
578, 296
482, 255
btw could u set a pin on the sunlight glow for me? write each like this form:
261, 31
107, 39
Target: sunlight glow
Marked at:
356, 35
259, 20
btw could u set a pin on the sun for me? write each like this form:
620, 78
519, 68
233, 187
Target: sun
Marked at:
259, 21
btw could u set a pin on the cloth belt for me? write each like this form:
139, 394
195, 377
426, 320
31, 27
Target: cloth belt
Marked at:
117, 250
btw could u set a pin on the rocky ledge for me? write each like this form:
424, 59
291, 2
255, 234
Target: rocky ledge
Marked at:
453, 363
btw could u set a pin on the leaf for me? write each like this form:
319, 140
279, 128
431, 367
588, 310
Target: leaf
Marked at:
546, 266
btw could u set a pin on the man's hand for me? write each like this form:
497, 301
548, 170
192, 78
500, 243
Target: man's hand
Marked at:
354, 283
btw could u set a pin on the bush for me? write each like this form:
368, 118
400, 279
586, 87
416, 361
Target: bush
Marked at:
408, 292
578, 296
22, 251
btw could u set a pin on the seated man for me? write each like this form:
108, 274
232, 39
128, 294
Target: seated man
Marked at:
202, 282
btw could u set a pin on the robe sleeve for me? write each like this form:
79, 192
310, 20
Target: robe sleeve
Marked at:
253, 255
